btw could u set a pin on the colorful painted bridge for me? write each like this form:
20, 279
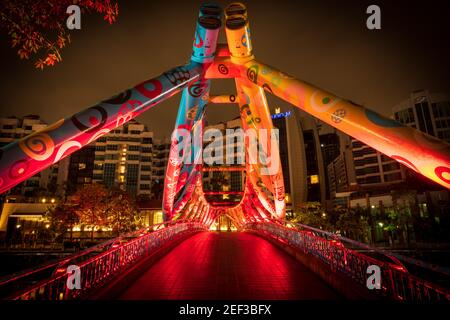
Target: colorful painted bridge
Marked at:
264, 260
261, 209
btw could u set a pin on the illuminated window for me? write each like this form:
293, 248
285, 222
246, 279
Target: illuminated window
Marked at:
314, 179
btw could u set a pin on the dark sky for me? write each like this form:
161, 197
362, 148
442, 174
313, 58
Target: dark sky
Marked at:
325, 43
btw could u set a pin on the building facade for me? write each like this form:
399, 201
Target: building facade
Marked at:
123, 158
427, 112
307, 146
161, 150
365, 172
232, 155
81, 168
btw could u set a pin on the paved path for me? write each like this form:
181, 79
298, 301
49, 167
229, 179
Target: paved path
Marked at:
213, 265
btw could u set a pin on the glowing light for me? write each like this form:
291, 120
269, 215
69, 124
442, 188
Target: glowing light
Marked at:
44, 200
52, 201
314, 179
381, 224
281, 115
47, 226
18, 226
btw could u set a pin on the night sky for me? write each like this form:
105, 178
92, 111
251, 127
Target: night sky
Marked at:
325, 43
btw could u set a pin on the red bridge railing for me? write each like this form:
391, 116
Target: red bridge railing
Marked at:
344, 256
98, 264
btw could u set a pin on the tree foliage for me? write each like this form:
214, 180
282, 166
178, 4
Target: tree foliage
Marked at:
91, 206
96, 207
122, 212
313, 215
62, 217
38, 28
353, 224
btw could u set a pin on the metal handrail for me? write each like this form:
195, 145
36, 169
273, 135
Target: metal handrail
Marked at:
395, 257
345, 240
396, 282
160, 234
54, 263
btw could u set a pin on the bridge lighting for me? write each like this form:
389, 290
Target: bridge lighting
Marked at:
279, 114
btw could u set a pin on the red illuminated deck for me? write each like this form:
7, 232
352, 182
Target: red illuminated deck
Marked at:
213, 265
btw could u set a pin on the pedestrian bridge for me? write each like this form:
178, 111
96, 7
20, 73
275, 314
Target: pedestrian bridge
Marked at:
263, 260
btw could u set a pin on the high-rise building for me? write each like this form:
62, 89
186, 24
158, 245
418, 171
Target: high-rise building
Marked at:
161, 150
360, 168
51, 180
232, 155
307, 146
337, 175
292, 157
427, 112
369, 172
123, 158
81, 168
373, 168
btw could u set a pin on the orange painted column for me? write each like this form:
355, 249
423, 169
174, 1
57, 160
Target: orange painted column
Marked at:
418, 151
254, 112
